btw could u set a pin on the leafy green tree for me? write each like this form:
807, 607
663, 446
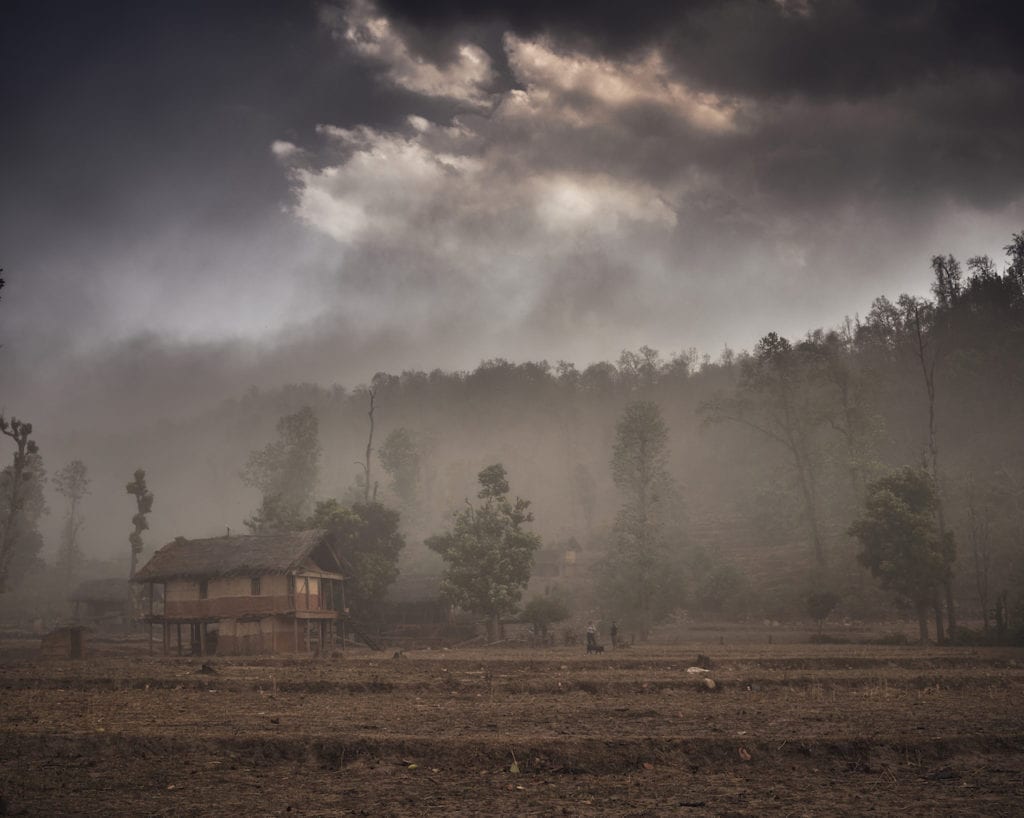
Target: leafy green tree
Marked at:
72, 483
901, 542
401, 460
487, 553
285, 473
640, 574
21, 502
542, 612
367, 539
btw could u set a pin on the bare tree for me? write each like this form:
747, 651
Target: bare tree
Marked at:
372, 392
922, 317
72, 483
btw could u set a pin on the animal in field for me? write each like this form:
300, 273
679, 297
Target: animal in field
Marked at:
593, 648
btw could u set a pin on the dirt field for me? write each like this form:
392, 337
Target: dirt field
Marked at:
792, 730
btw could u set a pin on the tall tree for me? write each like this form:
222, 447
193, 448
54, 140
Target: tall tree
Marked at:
19, 483
779, 396
487, 553
639, 573
364, 480
401, 460
1015, 267
922, 317
143, 506
72, 483
285, 472
901, 542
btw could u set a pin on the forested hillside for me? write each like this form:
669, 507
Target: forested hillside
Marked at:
769, 451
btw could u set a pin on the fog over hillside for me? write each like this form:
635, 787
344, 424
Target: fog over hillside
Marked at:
511, 221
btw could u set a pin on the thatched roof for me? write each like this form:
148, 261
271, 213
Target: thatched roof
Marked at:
252, 554
111, 589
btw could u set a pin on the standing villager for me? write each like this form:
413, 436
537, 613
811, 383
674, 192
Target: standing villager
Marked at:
591, 635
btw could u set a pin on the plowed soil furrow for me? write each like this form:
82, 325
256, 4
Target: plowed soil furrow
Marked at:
481, 732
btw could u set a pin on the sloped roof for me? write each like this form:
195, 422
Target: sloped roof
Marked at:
247, 554
111, 589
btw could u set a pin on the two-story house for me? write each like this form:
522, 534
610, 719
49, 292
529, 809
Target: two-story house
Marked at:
267, 593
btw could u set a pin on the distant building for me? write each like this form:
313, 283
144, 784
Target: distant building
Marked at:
268, 593
104, 604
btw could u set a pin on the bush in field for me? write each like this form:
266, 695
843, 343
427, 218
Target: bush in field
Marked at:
819, 605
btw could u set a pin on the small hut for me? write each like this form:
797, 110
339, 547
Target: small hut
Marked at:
268, 593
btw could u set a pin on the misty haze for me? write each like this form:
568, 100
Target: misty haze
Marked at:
512, 408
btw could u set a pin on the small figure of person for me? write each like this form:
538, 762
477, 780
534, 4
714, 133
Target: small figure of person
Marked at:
591, 635
614, 633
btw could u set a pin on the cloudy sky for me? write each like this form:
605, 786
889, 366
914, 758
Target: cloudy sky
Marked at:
201, 196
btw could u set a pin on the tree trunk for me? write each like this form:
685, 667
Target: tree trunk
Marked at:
922, 623
940, 637
950, 610
369, 454
809, 491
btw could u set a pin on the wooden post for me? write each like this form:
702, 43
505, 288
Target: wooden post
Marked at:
179, 639
296, 620
150, 637
202, 639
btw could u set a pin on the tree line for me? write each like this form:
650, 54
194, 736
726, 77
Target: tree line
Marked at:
766, 466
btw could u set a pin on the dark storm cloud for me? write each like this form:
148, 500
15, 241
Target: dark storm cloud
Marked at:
759, 47
131, 124
889, 102
202, 196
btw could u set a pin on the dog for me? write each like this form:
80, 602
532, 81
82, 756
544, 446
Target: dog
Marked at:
595, 648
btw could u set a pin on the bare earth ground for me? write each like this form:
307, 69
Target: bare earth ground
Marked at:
794, 730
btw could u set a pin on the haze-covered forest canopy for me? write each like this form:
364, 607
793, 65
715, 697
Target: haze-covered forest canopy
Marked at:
736, 481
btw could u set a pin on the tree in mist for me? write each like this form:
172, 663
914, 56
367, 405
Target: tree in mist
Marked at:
779, 396
847, 403
143, 506
980, 539
1015, 268
921, 318
363, 481
285, 473
819, 605
401, 460
72, 483
585, 493
639, 574
367, 539
542, 612
21, 502
901, 542
487, 553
